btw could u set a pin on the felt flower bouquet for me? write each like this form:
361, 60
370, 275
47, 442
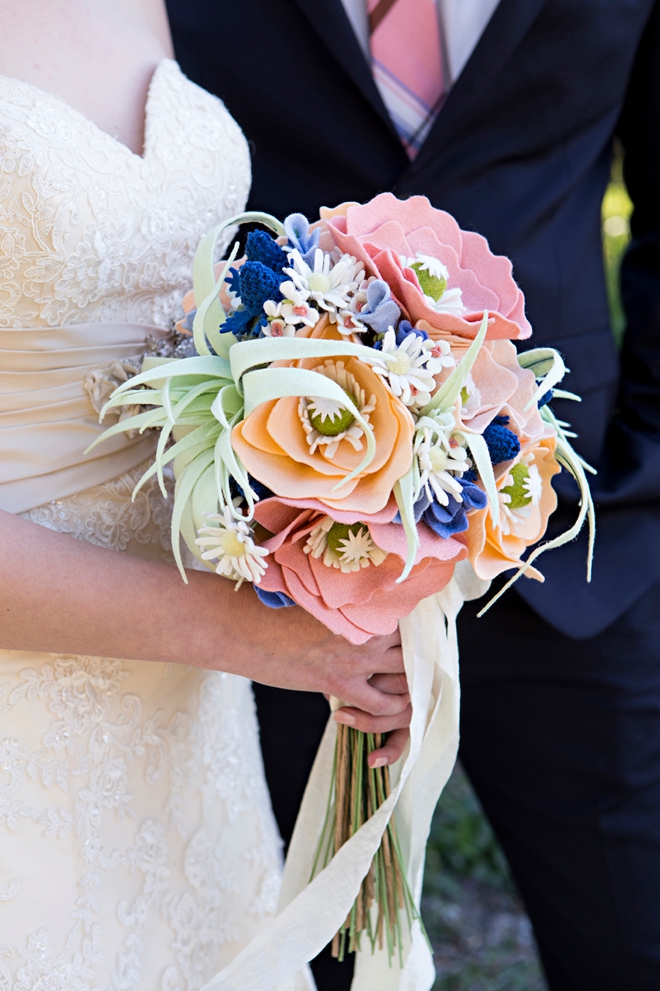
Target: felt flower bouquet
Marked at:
353, 420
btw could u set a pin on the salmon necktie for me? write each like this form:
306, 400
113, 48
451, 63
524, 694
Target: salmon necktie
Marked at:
406, 57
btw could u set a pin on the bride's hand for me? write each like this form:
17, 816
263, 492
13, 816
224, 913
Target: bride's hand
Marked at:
288, 648
395, 726
115, 605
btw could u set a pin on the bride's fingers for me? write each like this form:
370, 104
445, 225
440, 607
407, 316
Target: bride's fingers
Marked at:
392, 750
362, 695
367, 723
391, 684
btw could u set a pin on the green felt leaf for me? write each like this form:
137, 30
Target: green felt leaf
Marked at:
403, 493
450, 389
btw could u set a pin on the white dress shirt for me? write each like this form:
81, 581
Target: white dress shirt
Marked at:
463, 23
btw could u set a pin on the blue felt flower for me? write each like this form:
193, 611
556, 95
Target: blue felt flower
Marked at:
502, 443
381, 312
546, 398
451, 519
404, 329
261, 247
296, 226
274, 600
260, 490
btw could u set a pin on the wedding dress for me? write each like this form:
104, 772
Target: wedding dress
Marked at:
137, 844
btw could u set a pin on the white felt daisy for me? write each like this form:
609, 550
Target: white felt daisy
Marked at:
231, 542
327, 284
441, 459
408, 367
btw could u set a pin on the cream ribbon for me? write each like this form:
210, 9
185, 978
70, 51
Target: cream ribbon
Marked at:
47, 419
309, 914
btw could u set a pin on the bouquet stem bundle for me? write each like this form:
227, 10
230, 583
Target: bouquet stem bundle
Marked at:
384, 899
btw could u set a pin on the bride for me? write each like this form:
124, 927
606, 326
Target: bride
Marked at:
137, 845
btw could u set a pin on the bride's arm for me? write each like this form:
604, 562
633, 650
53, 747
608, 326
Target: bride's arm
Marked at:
62, 595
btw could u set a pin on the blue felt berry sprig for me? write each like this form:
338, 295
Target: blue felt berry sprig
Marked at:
502, 443
255, 283
261, 247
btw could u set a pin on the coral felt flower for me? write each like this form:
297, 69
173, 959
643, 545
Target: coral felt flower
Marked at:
344, 571
301, 447
434, 269
527, 499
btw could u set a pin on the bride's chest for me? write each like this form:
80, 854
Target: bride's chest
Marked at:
88, 228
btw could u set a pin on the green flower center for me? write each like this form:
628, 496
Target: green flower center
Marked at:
335, 423
339, 532
465, 395
431, 285
517, 491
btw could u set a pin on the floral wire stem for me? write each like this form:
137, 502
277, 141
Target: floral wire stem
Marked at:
357, 792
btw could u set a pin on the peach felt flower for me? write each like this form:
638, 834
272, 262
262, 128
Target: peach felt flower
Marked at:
526, 499
301, 446
436, 271
343, 568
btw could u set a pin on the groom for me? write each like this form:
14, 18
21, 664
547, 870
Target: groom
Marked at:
504, 114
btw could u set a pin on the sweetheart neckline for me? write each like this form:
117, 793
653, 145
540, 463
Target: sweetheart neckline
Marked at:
87, 120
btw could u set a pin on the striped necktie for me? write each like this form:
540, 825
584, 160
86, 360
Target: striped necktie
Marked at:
407, 64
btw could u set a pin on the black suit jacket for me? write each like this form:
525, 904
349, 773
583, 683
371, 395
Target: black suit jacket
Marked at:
520, 152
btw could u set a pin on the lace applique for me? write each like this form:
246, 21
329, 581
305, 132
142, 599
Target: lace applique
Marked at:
92, 232
137, 844
96, 742
107, 516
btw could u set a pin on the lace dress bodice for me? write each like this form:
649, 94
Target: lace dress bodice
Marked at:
93, 232
137, 844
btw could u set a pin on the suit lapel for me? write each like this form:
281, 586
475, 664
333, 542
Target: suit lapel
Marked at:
329, 20
503, 33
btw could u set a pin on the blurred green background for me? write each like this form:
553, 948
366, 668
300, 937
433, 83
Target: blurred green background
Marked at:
481, 936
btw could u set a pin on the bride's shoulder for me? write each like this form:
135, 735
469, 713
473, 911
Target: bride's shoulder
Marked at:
191, 111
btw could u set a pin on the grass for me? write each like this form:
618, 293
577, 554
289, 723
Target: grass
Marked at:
481, 936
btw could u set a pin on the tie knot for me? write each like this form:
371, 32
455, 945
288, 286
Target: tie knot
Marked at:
407, 64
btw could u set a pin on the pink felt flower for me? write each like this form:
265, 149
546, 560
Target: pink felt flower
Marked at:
343, 569
455, 276
498, 386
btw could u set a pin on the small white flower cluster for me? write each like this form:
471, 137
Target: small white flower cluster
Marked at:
232, 542
326, 287
348, 548
440, 458
409, 367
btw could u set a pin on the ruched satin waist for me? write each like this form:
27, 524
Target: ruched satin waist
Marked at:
47, 419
